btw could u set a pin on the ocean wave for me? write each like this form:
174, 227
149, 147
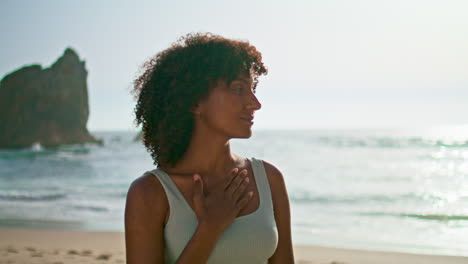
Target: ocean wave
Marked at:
307, 198
90, 208
437, 217
26, 222
26, 196
388, 142
37, 151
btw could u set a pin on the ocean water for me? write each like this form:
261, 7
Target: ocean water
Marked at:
399, 190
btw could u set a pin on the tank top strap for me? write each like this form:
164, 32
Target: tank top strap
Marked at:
263, 183
174, 196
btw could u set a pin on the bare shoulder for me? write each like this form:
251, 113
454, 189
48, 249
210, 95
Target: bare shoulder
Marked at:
274, 175
279, 192
278, 188
146, 191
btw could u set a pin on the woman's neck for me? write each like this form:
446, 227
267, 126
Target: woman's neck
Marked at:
209, 157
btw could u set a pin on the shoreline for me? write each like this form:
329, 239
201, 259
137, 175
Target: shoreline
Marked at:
20, 245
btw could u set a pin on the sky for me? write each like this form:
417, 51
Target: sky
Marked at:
332, 64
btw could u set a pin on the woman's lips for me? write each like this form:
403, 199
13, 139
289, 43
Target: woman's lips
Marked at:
248, 119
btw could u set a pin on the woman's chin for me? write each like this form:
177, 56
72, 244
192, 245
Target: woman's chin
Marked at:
246, 134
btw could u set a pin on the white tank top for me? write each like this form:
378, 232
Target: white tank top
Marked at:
250, 239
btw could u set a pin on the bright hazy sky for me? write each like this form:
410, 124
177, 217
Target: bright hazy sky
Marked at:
333, 64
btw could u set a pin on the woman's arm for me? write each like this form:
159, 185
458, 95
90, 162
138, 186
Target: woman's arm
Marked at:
284, 252
145, 212
199, 248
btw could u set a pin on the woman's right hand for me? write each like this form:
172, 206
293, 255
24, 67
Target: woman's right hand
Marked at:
219, 208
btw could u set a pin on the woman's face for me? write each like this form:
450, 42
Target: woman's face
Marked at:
229, 109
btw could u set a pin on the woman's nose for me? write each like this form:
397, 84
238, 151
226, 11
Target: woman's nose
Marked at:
254, 103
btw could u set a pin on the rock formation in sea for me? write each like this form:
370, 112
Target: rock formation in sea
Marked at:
45, 106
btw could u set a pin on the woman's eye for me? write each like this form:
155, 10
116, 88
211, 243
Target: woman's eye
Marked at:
237, 88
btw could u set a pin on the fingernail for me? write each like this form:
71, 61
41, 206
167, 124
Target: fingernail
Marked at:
196, 177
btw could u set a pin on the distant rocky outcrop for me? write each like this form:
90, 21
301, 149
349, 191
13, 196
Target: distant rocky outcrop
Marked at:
46, 106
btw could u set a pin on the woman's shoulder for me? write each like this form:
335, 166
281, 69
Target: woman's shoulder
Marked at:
271, 169
147, 192
146, 184
274, 175
144, 220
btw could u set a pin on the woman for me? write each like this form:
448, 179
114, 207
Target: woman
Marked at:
203, 203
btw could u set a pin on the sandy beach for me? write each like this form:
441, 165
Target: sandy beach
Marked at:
60, 247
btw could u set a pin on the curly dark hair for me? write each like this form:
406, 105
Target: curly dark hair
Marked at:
175, 80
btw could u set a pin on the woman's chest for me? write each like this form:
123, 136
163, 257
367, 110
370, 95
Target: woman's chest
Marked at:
185, 186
